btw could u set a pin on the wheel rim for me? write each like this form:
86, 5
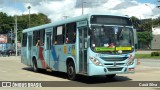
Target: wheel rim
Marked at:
70, 71
34, 67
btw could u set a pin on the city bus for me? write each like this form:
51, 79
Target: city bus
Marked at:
90, 45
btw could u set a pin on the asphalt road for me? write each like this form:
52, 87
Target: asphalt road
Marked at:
13, 70
150, 62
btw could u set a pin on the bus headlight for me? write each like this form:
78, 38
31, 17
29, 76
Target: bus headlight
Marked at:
131, 61
95, 61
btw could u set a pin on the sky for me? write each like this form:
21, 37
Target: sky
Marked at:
59, 9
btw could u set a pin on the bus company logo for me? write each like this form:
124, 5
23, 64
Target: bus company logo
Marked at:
6, 84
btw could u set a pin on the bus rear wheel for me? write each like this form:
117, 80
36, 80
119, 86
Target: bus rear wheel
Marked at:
110, 76
71, 71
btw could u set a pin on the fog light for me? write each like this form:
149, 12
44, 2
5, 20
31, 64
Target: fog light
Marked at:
131, 69
105, 70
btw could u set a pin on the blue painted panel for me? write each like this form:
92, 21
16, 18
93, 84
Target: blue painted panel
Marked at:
24, 55
60, 53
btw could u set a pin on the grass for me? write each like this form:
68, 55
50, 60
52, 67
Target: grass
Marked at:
145, 56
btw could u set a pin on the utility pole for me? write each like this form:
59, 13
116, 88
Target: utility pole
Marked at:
151, 15
158, 5
82, 7
29, 7
15, 27
11, 36
159, 8
151, 23
16, 34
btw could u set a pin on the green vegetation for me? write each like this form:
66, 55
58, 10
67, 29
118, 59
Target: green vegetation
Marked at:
144, 30
7, 22
145, 38
145, 56
155, 54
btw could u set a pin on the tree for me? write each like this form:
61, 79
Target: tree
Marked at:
146, 25
142, 25
156, 22
144, 31
35, 20
7, 22
39, 19
145, 38
135, 22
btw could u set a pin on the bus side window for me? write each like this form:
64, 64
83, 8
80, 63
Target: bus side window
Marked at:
54, 36
71, 33
59, 36
36, 37
24, 40
42, 34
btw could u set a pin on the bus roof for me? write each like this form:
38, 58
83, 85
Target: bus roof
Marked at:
68, 20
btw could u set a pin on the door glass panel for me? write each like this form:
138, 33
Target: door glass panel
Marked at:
83, 49
29, 49
80, 51
80, 40
85, 38
48, 43
29, 42
48, 48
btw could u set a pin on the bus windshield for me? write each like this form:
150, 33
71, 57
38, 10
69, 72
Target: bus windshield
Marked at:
112, 39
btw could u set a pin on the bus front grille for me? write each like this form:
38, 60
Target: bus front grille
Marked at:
114, 58
112, 64
114, 69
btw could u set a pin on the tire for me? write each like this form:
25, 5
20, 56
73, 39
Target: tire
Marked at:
71, 71
110, 76
35, 68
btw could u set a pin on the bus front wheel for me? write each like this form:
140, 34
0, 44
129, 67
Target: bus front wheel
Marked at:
71, 71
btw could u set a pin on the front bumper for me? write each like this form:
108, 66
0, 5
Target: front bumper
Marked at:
105, 70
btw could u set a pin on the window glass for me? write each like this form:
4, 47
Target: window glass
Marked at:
36, 37
71, 33
42, 34
59, 30
59, 37
24, 40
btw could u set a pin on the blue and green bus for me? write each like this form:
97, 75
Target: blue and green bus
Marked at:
92, 44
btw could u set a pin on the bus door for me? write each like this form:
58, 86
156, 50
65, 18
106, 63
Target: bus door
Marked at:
83, 34
48, 36
29, 49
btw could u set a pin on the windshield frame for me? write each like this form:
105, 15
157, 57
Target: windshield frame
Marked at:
116, 49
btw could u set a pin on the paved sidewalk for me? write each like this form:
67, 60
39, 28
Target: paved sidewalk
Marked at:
11, 58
